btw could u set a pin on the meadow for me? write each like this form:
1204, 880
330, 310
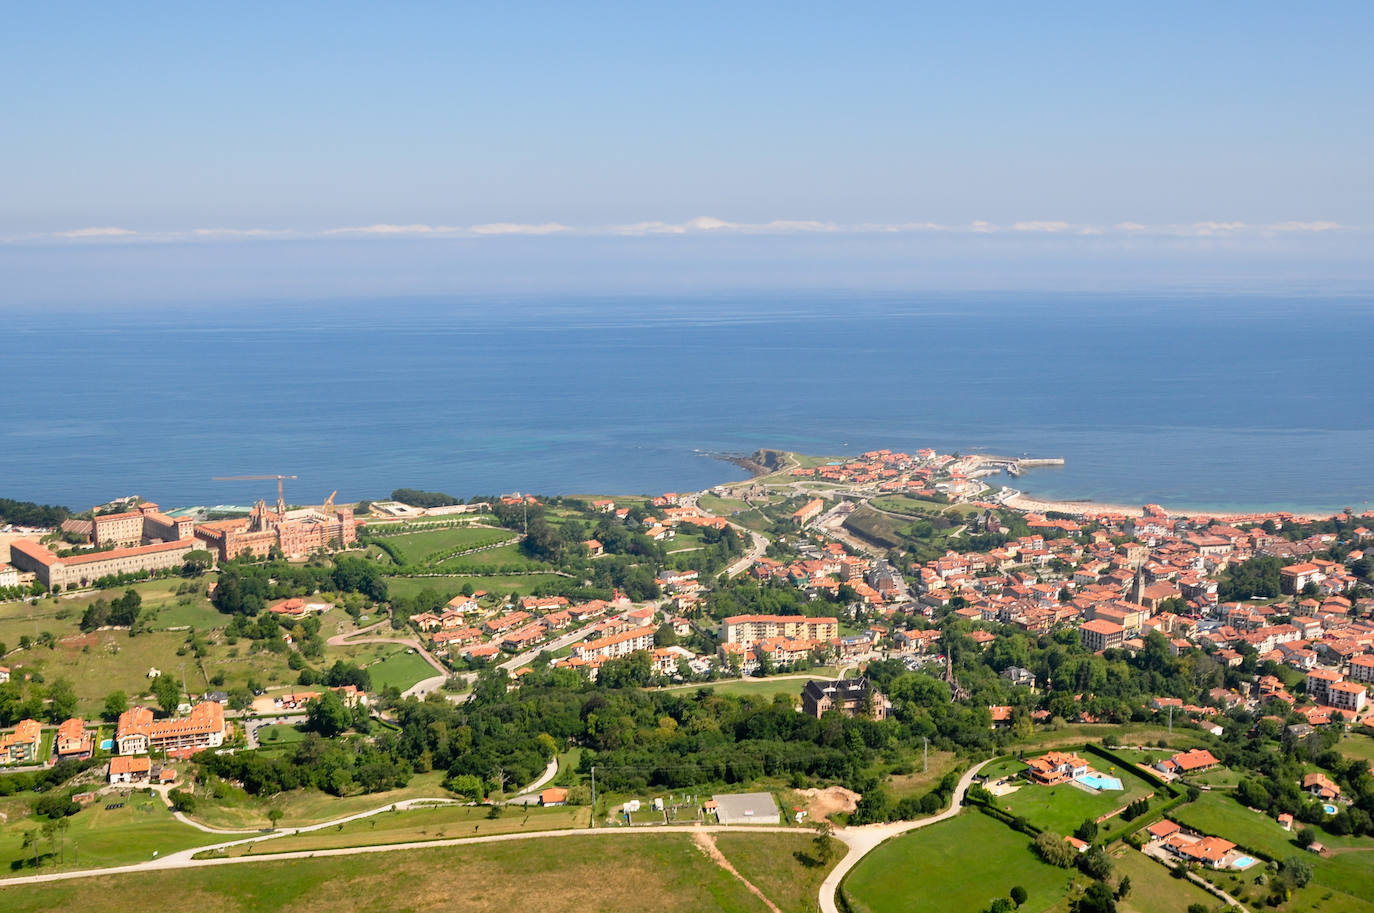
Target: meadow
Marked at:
572, 874
951, 876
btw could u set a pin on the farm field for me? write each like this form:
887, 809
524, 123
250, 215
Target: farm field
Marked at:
420, 824
951, 876
1356, 745
97, 836
576, 874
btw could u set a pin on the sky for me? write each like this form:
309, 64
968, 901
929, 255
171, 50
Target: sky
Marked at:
309, 149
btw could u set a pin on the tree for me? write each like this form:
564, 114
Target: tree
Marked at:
198, 561
1097, 899
327, 715
1297, 870
1306, 837
1054, 849
116, 702
1018, 895
1087, 831
167, 692
274, 815
1096, 864
822, 848
1000, 905
61, 700
1123, 887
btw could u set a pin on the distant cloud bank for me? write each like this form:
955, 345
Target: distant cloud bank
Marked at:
700, 226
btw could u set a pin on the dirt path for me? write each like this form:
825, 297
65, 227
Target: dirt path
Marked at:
707, 844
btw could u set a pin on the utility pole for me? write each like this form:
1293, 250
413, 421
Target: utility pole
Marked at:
1171, 719
593, 795
925, 756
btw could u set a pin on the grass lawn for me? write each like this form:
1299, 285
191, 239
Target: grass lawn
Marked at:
580, 874
1356, 745
401, 669
960, 864
1127, 733
1153, 888
1064, 807
414, 825
99, 837
280, 734
772, 862
417, 548
505, 557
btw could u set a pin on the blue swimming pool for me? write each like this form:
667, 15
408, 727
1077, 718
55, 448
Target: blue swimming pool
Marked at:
106, 744
1242, 862
1329, 809
1099, 782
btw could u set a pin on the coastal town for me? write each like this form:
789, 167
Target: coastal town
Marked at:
1104, 675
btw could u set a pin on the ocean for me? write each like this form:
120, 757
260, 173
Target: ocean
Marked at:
1197, 401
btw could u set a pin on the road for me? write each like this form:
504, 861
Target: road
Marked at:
864, 839
252, 725
530, 794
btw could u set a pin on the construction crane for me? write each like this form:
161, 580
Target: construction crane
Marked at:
329, 503
281, 500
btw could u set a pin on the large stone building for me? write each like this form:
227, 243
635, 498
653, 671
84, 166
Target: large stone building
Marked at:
296, 533
144, 525
138, 733
86, 568
850, 696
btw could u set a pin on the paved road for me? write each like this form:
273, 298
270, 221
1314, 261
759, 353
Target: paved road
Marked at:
253, 724
530, 794
863, 839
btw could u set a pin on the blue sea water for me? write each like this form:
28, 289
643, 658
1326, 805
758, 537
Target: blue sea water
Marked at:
1201, 401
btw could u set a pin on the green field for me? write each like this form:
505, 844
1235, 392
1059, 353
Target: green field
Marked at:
1153, 888
437, 544
1064, 807
762, 858
96, 836
1356, 745
961, 864
401, 669
504, 557
306, 806
574, 874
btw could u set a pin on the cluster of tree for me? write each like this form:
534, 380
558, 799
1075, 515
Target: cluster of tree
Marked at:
41, 781
1255, 578
1136, 809
27, 513
245, 589
36, 700
417, 498
120, 613
340, 767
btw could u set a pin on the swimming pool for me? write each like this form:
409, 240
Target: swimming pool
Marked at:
1099, 782
106, 744
1242, 862
1329, 809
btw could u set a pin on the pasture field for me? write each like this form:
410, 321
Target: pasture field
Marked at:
300, 807
1153, 888
574, 874
774, 863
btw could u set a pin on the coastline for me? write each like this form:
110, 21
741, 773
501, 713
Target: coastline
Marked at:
1030, 503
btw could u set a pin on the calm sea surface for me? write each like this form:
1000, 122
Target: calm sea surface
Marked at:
1203, 402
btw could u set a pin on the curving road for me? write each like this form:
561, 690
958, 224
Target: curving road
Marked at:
864, 839
420, 688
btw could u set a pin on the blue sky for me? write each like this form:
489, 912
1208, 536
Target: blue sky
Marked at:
1077, 132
